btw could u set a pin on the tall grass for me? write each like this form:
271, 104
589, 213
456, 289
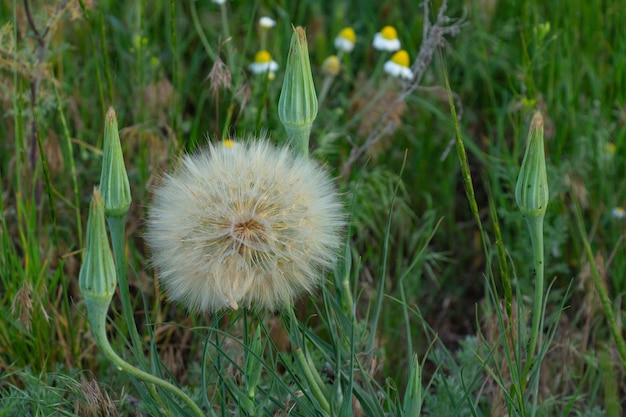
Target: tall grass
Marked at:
422, 275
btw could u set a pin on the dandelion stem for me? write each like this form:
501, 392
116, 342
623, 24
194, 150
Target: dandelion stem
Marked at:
99, 332
117, 228
535, 227
311, 379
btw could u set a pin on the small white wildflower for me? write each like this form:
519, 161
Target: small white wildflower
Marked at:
398, 65
618, 213
267, 22
243, 224
345, 40
263, 63
387, 40
220, 2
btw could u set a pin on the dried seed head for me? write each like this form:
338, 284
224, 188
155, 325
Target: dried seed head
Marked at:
244, 223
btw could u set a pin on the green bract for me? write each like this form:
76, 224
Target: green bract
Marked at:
97, 279
297, 106
531, 191
114, 179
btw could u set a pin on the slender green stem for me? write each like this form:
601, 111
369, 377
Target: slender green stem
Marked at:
93, 47
226, 34
535, 227
198, 27
225, 27
105, 55
383, 268
47, 180
176, 79
310, 374
99, 332
607, 308
311, 379
117, 228
70, 150
263, 100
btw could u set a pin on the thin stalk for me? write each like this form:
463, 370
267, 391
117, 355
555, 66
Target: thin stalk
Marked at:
226, 34
198, 27
311, 379
263, 100
47, 180
70, 149
105, 55
99, 331
176, 126
117, 229
383, 268
93, 47
535, 227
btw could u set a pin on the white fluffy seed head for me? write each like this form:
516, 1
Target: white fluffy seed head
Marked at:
247, 225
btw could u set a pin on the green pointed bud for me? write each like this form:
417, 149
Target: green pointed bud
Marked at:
97, 274
297, 106
114, 179
253, 363
531, 191
413, 395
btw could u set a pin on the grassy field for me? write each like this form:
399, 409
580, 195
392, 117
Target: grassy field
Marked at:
434, 306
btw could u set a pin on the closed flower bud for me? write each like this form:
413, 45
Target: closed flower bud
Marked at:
331, 66
297, 106
97, 278
531, 191
114, 184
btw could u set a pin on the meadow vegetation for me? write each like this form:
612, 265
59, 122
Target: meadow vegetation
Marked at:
431, 308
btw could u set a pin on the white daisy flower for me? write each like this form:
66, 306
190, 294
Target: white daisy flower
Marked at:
267, 22
398, 65
618, 213
244, 224
345, 40
387, 39
263, 63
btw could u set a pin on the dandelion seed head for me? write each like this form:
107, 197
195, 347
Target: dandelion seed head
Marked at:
243, 224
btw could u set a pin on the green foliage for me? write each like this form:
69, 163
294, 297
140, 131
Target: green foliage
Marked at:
412, 229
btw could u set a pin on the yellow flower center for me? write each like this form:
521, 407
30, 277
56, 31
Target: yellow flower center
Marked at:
389, 33
262, 57
331, 65
228, 143
401, 58
348, 34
